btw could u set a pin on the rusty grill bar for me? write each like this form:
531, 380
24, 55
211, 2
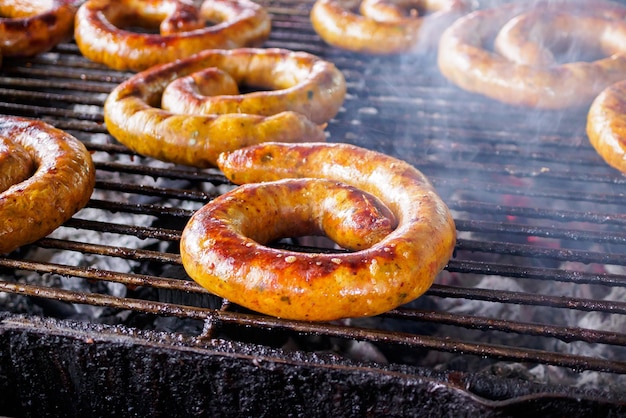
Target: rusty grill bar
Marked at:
533, 203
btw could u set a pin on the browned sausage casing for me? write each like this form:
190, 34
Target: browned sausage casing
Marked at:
515, 74
101, 36
606, 125
16, 164
30, 27
61, 184
222, 246
384, 31
307, 91
198, 92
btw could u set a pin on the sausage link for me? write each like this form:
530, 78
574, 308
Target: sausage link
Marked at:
60, 186
309, 91
101, 37
606, 125
522, 80
222, 246
30, 27
338, 24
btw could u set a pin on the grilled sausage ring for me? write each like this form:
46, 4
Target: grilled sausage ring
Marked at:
308, 91
606, 125
34, 26
384, 27
222, 246
101, 35
518, 77
59, 182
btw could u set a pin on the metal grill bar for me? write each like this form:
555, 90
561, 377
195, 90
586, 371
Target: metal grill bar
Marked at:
531, 251
412, 340
503, 296
507, 270
143, 232
562, 215
551, 194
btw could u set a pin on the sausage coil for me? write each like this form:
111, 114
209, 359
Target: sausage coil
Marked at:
606, 125
101, 35
30, 27
306, 92
59, 181
222, 246
522, 70
383, 26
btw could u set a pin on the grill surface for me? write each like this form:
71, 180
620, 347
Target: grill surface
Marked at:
542, 235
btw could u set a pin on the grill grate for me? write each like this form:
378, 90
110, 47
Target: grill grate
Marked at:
534, 206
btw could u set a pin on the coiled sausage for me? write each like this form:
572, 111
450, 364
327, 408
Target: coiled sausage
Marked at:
306, 91
223, 245
382, 27
606, 125
518, 77
30, 27
61, 182
101, 35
